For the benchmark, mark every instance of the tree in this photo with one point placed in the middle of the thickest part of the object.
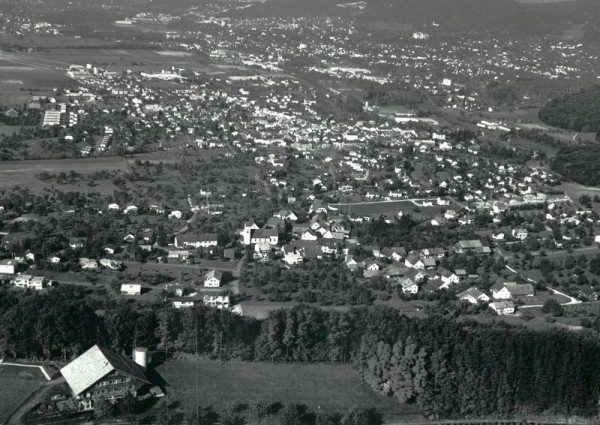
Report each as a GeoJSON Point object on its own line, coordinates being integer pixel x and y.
{"type": "Point", "coordinates": [103, 408]}
{"type": "Point", "coordinates": [552, 306]}
{"type": "Point", "coordinates": [357, 416]}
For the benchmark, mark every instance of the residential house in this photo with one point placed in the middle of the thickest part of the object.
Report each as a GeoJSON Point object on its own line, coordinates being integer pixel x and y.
{"type": "Point", "coordinates": [475, 245]}
{"type": "Point", "coordinates": [408, 286]}
{"type": "Point", "coordinates": [448, 277]}
{"type": "Point", "coordinates": [414, 261]}
{"type": "Point", "coordinates": [308, 236]}
{"type": "Point", "coordinates": [88, 263]}
{"type": "Point", "coordinates": [519, 233]}
{"type": "Point", "coordinates": [286, 215]}
{"type": "Point", "coordinates": [8, 266]}
{"type": "Point", "coordinates": [473, 296]}
{"type": "Point", "coordinates": [270, 236]}
{"type": "Point", "coordinates": [213, 279]}
{"type": "Point", "coordinates": [503, 307]}
{"type": "Point", "coordinates": [220, 302]}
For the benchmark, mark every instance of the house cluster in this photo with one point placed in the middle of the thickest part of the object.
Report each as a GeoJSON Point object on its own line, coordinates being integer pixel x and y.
{"type": "Point", "coordinates": [503, 296]}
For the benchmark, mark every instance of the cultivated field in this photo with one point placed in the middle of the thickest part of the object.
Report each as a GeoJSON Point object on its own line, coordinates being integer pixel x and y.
{"type": "Point", "coordinates": [321, 387]}
{"type": "Point", "coordinates": [18, 383]}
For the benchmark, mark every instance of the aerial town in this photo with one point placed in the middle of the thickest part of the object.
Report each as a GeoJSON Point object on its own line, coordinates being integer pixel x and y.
{"type": "Point", "coordinates": [208, 217]}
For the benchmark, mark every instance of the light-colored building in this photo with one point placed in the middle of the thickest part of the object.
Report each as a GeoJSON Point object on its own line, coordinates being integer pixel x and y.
{"type": "Point", "coordinates": [131, 289]}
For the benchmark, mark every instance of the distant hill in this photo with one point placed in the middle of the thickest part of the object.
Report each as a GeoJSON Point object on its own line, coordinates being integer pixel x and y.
{"type": "Point", "coordinates": [459, 15]}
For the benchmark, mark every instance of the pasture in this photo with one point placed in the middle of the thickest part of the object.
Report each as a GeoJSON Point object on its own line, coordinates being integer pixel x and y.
{"type": "Point", "coordinates": [18, 383]}
{"type": "Point", "coordinates": [321, 387]}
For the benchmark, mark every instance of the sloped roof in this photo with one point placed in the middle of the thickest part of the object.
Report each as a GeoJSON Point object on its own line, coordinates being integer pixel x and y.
{"type": "Point", "coordinates": [96, 363]}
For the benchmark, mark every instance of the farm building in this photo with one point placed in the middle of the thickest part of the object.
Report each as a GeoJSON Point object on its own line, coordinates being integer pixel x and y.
{"type": "Point", "coordinates": [101, 373]}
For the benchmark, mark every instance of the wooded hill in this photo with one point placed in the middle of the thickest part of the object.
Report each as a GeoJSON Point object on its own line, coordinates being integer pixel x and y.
{"type": "Point", "coordinates": [579, 163]}
{"type": "Point", "coordinates": [578, 111]}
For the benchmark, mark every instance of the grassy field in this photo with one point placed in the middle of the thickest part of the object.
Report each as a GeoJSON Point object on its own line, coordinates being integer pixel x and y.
{"type": "Point", "coordinates": [391, 208]}
{"type": "Point", "coordinates": [23, 173]}
{"type": "Point", "coordinates": [321, 387]}
{"type": "Point", "coordinates": [17, 384]}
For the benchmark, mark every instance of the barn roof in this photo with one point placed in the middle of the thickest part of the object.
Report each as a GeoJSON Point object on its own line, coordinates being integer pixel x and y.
{"type": "Point", "coordinates": [96, 363]}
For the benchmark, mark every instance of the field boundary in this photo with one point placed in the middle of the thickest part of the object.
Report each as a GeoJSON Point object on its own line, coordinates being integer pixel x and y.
{"type": "Point", "coordinates": [41, 368]}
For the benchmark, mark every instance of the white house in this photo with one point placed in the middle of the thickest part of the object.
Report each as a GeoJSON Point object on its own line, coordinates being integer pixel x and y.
{"type": "Point", "coordinates": [220, 302]}
{"type": "Point", "coordinates": [213, 279]}
{"type": "Point", "coordinates": [308, 236]}
{"type": "Point", "coordinates": [503, 307]}
{"type": "Point", "coordinates": [88, 263]}
{"type": "Point", "coordinates": [131, 289]}
{"type": "Point", "coordinates": [449, 278]}
{"type": "Point", "coordinates": [130, 209]}
{"type": "Point", "coordinates": [8, 266]}
{"type": "Point", "coordinates": [520, 233]}
{"type": "Point", "coordinates": [270, 236]}
{"type": "Point", "coordinates": [473, 296]}
{"type": "Point", "coordinates": [293, 258]}
{"type": "Point", "coordinates": [414, 262]}
{"type": "Point", "coordinates": [409, 287]}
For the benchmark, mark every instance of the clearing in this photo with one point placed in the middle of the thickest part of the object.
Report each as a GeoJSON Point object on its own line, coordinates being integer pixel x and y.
{"type": "Point", "coordinates": [321, 387]}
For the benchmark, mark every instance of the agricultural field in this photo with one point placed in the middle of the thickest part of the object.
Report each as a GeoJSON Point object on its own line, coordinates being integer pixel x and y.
{"type": "Point", "coordinates": [321, 387]}
{"type": "Point", "coordinates": [18, 383]}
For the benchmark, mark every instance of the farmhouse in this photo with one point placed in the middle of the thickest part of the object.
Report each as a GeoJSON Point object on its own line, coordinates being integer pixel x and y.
{"type": "Point", "coordinates": [507, 290]}
{"type": "Point", "coordinates": [102, 374]}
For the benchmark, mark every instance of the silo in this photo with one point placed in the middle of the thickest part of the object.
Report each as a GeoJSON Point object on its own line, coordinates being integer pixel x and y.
{"type": "Point", "coordinates": [140, 356]}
